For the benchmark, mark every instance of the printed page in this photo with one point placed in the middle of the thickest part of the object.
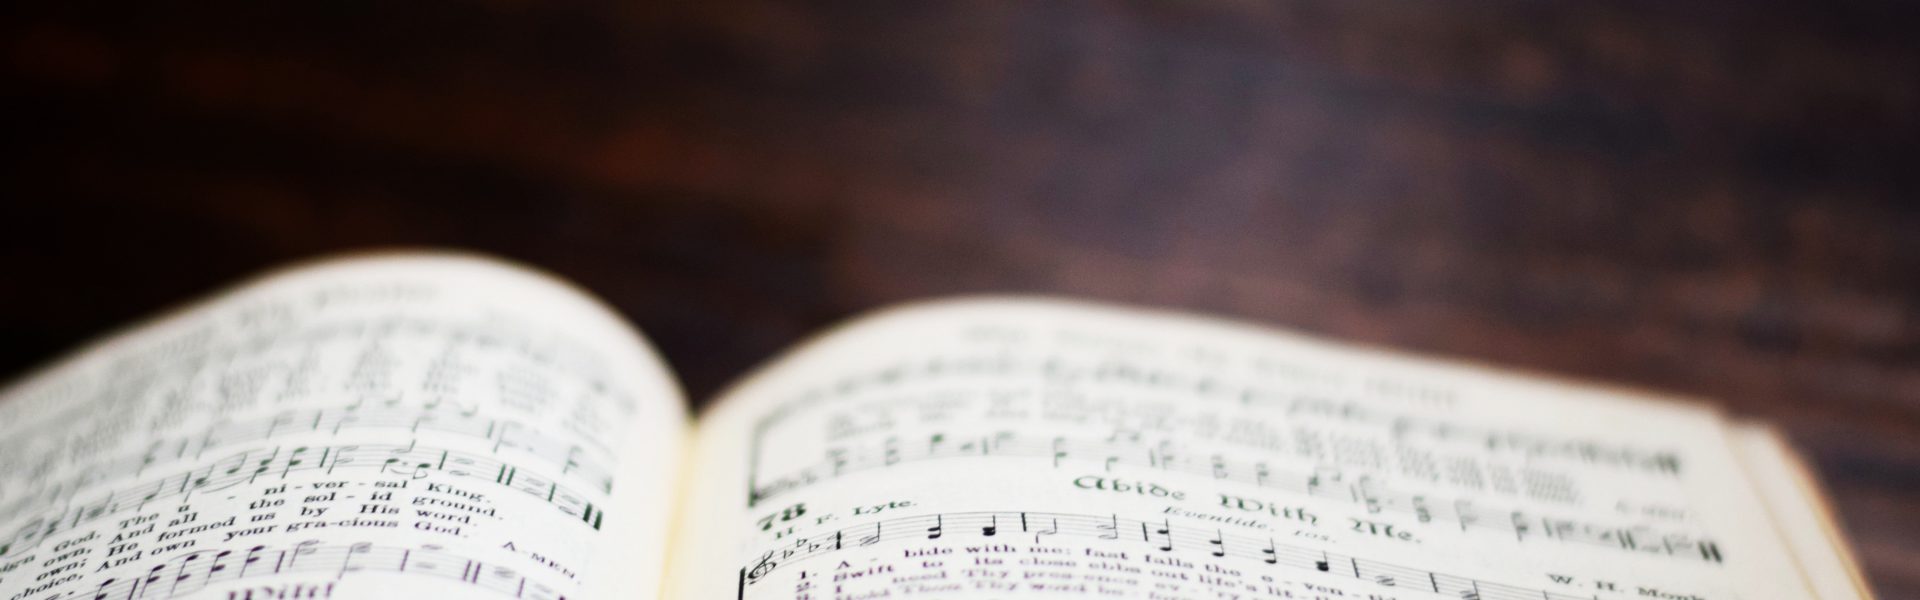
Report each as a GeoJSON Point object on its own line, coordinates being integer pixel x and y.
{"type": "Point", "coordinates": [1027, 448]}
{"type": "Point", "coordinates": [395, 426]}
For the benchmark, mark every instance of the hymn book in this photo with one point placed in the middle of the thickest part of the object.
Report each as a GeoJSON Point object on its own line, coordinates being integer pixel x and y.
{"type": "Point", "coordinates": [425, 425]}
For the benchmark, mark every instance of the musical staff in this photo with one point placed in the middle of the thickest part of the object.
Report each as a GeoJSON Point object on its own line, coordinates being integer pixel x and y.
{"type": "Point", "coordinates": [364, 415]}
{"type": "Point", "coordinates": [411, 461]}
{"type": "Point", "coordinates": [198, 570]}
{"type": "Point", "coordinates": [1154, 536]}
{"type": "Point", "coordinates": [1332, 485]}
{"type": "Point", "coordinates": [455, 376]}
{"type": "Point", "coordinates": [566, 454]}
{"type": "Point", "coordinates": [1061, 370]}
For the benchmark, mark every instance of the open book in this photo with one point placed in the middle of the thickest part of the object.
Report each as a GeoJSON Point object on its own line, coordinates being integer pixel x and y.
{"type": "Point", "coordinates": [444, 426]}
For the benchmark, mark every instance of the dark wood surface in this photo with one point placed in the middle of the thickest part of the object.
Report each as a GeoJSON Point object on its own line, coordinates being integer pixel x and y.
{"type": "Point", "coordinates": [1711, 197]}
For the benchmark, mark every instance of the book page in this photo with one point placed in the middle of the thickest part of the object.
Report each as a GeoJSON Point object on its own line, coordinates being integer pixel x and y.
{"type": "Point", "coordinates": [394, 426]}
{"type": "Point", "coordinates": [1028, 448]}
{"type": "Point", "coordinates": [1801, 512]}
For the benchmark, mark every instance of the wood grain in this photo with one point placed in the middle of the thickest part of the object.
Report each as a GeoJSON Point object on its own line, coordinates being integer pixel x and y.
{"type": "Point", "coordinates": [1709, 197]}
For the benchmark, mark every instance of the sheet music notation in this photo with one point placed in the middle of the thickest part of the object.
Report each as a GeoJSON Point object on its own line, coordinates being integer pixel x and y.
{"type": "Point", "coordinates": [411, 461]}
{"type": "Point", "coordinates": [201, 569]}
{"type": "Point", "coordinates": [1158, 536]}
{"type": "Point", "coordinates": [1058, 369]}
{"type": "Point", "coordinates": [1326, 484]}
{"type": "Point", "coordinates": [565, 454]}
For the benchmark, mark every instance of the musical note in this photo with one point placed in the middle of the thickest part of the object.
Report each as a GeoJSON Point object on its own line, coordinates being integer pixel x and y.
{"type": "Point", "coordinates": [293, 461]}
{"type": "Point", "coordinates": [253, 556]}
{"type": "Point", "coordinates": [218, 560]}
{"type": "Point", "coordinates": [892, 452]}
{"type": "Point", "coordinates": [1363, 489]}
{"type": "Point", "coordinates": [839, 459]}
{"type": "Point", "coordinates": [305, 548]}
{"type": "Point", "coordinates": [346, 562]}
{"type": "Point", "coordinates": [100, 591]}
{"type": "Point", "coordinates": [1113, 529]}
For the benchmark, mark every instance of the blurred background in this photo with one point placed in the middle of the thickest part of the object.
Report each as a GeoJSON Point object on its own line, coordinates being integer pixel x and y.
{"type": "Point", "coordinates": [1712, 197]}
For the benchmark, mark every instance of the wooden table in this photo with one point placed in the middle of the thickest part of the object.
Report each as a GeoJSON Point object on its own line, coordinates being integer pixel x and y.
{"type": "Point", "coordinates": [1705, 196]}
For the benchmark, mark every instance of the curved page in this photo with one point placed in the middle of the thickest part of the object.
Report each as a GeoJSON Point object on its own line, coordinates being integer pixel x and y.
{"type": "Point", "coordinates": [1030, 448]}
{"type": "Point", "coordinates": [407, 426]}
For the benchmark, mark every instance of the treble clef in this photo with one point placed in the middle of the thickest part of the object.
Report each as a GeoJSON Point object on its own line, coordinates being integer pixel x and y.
{"type": "Point", "coordinates": [762, 568]}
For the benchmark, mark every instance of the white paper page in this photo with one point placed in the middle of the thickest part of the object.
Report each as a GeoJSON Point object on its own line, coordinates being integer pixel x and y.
{"type": "Point", "coordinates": [1025, 448]}
{"type": "Point", "coordinates": [1801, 516]}
{"type": "Point", "coordinates": [394, 426]}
